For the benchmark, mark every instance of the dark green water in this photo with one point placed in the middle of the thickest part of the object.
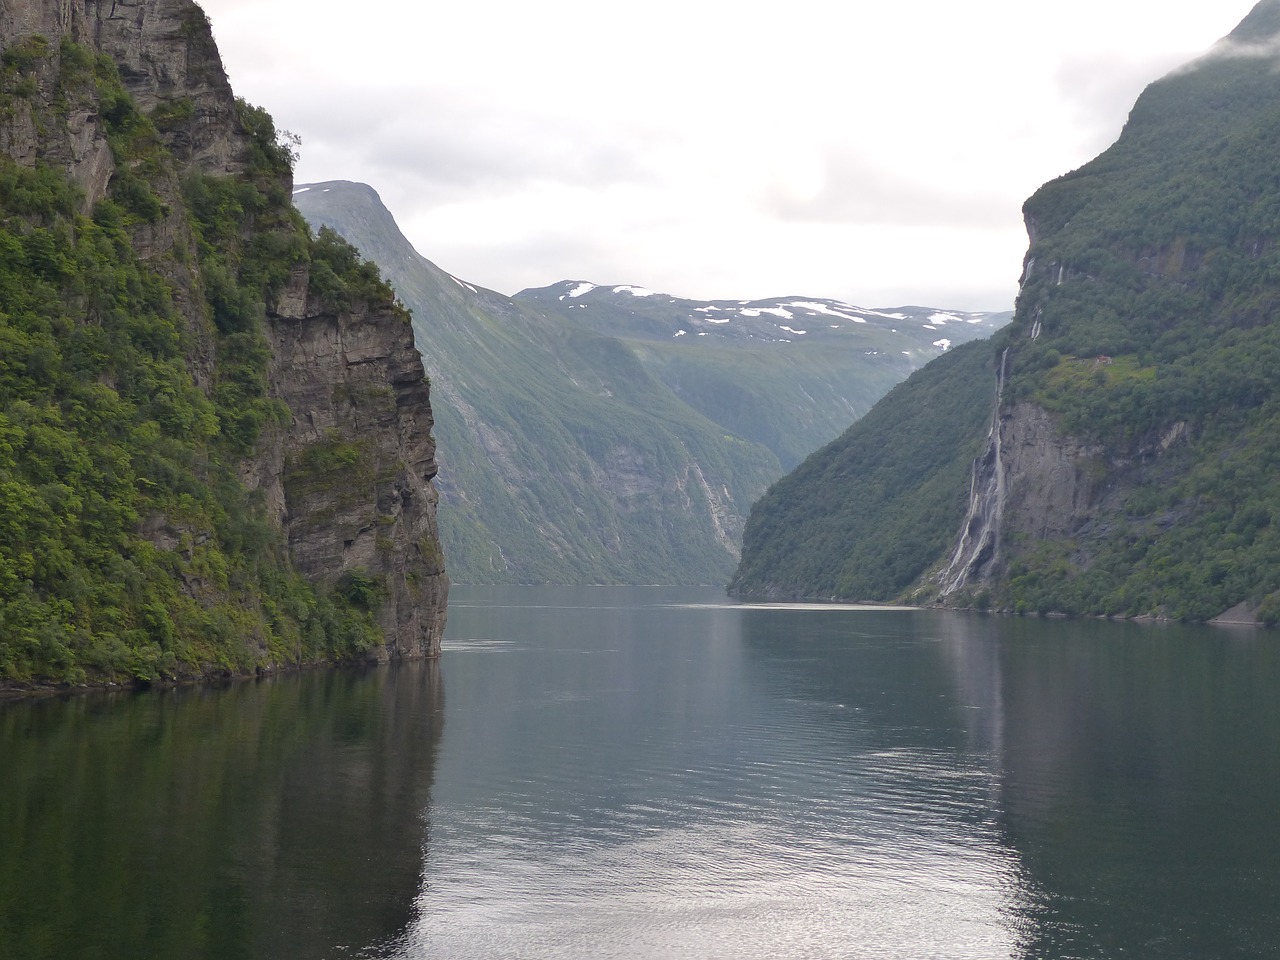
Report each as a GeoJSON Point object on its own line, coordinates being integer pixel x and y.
{"type": "Point", "coordinates": [654, 773]}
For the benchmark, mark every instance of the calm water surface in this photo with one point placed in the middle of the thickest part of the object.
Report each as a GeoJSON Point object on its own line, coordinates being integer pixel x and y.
{"type": "Point", "coordinates": [653, 773]}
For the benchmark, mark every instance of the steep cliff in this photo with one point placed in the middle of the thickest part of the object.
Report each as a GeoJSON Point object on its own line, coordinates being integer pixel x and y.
{"type": "Point", "coordinates": [351, 477]}
{"type": "Point", "coordinates": [565, 460]}
{"type": "Point", "coordinates": [1127, 465]}
{"type": "Point", "coordinates": [216, 429]}
{"type": "Point", "coordinates": [1141, 397]}
{"type": "Point", "coordinates": [614, 434]}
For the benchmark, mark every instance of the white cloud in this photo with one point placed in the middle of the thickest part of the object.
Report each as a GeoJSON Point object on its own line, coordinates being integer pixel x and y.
{"type": "Point", "coordinates": [871, 153]}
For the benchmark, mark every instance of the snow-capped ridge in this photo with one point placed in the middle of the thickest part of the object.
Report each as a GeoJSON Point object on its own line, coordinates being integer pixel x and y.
{"type": "Point", "coordinates": [635, 311]}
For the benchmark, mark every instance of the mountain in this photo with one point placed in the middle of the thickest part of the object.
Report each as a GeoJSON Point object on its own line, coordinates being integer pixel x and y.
{"type": "Point", "coordinates": [215, 447]}
{"type": "Point", "coordinates": [1129, 466]}
{"type": "Point", "coordinates": [584, 439]}
{"type": "Point", "coordinates": [561, 458]}
{"type": "Point", "coordinates": [867, 514]}
{"type": "Point", "coordinates": [787, 372]}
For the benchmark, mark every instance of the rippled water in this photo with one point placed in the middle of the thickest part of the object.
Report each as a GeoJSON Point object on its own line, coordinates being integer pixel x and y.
{"type": "Point", "coordinates": [637, 783]}
{"type": "Point", "coordinates": [658, 774]}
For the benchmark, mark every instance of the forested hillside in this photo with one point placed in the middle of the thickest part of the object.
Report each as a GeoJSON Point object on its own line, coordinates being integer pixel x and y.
{"type": "Point", "coordinates": [1132, 468]}
{"type": "Point", "coordinates": [867, 514]}
{"type": "Point", "coordinates": [615, 435]}
{"type": "Point", "coordinates": [146, 241]}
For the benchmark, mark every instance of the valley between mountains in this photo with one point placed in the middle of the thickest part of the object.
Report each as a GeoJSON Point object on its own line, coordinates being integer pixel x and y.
{"type": "Point", "coordinates": [594, 433]}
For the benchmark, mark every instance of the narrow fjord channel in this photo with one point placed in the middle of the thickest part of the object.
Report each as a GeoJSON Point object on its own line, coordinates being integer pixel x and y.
{"type": "Point", "coordinates": [647, 772]}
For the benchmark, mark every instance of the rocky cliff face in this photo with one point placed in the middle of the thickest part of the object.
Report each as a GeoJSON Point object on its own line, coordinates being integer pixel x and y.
{"type": "Point", "coordinates": [1032, 483]}
{"type": "Point", "coordinates": [344, 464]}
{"type": "Point", "coordinates": [164, 52]}
{"type": "Point", "coordinates": [350, 479]}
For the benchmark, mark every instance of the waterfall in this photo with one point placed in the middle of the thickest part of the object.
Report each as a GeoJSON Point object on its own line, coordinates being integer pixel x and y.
{"type": "Point", "coordinates": [978, 547]}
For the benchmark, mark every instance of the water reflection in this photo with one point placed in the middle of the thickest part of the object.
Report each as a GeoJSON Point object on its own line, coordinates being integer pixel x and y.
{"type": "Point", "coordinates": [282, 818]}
{"type": "Point", "coordinates": [1127, 771]}
{"type": "Point", "coordinates": [631, 774]}
{"type": "Point", "coordinates": [924, 823]}
{"type": "Point", "coordinates": [642, 779]}
{"type": "Point", "coordinates": [1141, 765]}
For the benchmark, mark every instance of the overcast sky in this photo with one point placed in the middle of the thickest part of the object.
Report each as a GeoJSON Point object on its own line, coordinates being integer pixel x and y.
{"type": "Point", "coordinates": [877, 153]}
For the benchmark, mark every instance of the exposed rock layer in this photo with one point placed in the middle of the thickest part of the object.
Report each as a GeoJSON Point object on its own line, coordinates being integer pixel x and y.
{"type": "Point", "coordinates": [349, 375]}
{"type": "Point", "coordinates": [355, 378]}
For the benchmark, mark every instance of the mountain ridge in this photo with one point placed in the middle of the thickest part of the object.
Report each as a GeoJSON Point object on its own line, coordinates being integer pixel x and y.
{"type": "Point", "coordinates": [1123, 471]}
{"type": "Point", "coordinates": [703, 424]}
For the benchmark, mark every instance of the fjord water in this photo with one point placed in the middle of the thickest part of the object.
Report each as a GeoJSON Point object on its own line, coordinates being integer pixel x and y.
{"type": "Point", "coordinates": [646, 773]}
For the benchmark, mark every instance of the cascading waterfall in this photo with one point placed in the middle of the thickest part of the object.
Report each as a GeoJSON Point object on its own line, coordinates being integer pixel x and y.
{"type": "Point", "coordinates": [978, 548]}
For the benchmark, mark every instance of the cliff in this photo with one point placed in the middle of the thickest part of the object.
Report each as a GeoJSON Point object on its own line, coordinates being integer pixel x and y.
{"type": "Point", "coordinates": [618, 435]}
{"type": "Point", "coordinates": [565, 460]}
{"type": "Point", "coordinates": [1138, 404]}
{"type": "Point", "coordinates": [218, 453]}
{"type": "Point", "coordinates": [1124, 464]}
{"type": "Point", "coordinates": [350, 480]}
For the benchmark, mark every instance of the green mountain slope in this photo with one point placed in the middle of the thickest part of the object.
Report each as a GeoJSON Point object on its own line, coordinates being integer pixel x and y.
{"type": "Point", "coordinates": [867, 514]}
{"type": "Point", "coordinates": [789, 372]}
{"type": "Point", "coordinates": [1131, 469]}
{"type": "Point", "coordinates": [584, 439]}
{"type": "Point", "coordinates": [149, 451]}
{"type": "Point", "coordinates": [562, 459]}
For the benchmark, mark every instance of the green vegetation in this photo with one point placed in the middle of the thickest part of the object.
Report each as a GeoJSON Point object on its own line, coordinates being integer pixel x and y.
{"type": "Point", "coordinates": [1172, 271]}
{"type": "Point", "coordinates": [128, 547]}
{"type": "Point", "coordinates": [1147, 328]}
{"type": "Point", "coordinates": [866, 515]}
{"type": "Point", "coordinates": [563, 459]}
{"type": "Point", "coordinates": [585, 445]}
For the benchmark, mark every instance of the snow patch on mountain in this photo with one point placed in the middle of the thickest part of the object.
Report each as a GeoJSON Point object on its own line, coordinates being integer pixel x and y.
{"type": "Point", "coordinates": [844, 311]}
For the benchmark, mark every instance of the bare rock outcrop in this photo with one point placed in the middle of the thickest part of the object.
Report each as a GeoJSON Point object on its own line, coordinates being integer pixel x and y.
{"type": "Point", "coordinates": [350, 479]}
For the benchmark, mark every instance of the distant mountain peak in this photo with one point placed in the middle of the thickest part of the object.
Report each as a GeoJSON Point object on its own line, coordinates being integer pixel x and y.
{"type": "Point", "coordinates": [630, 310]}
